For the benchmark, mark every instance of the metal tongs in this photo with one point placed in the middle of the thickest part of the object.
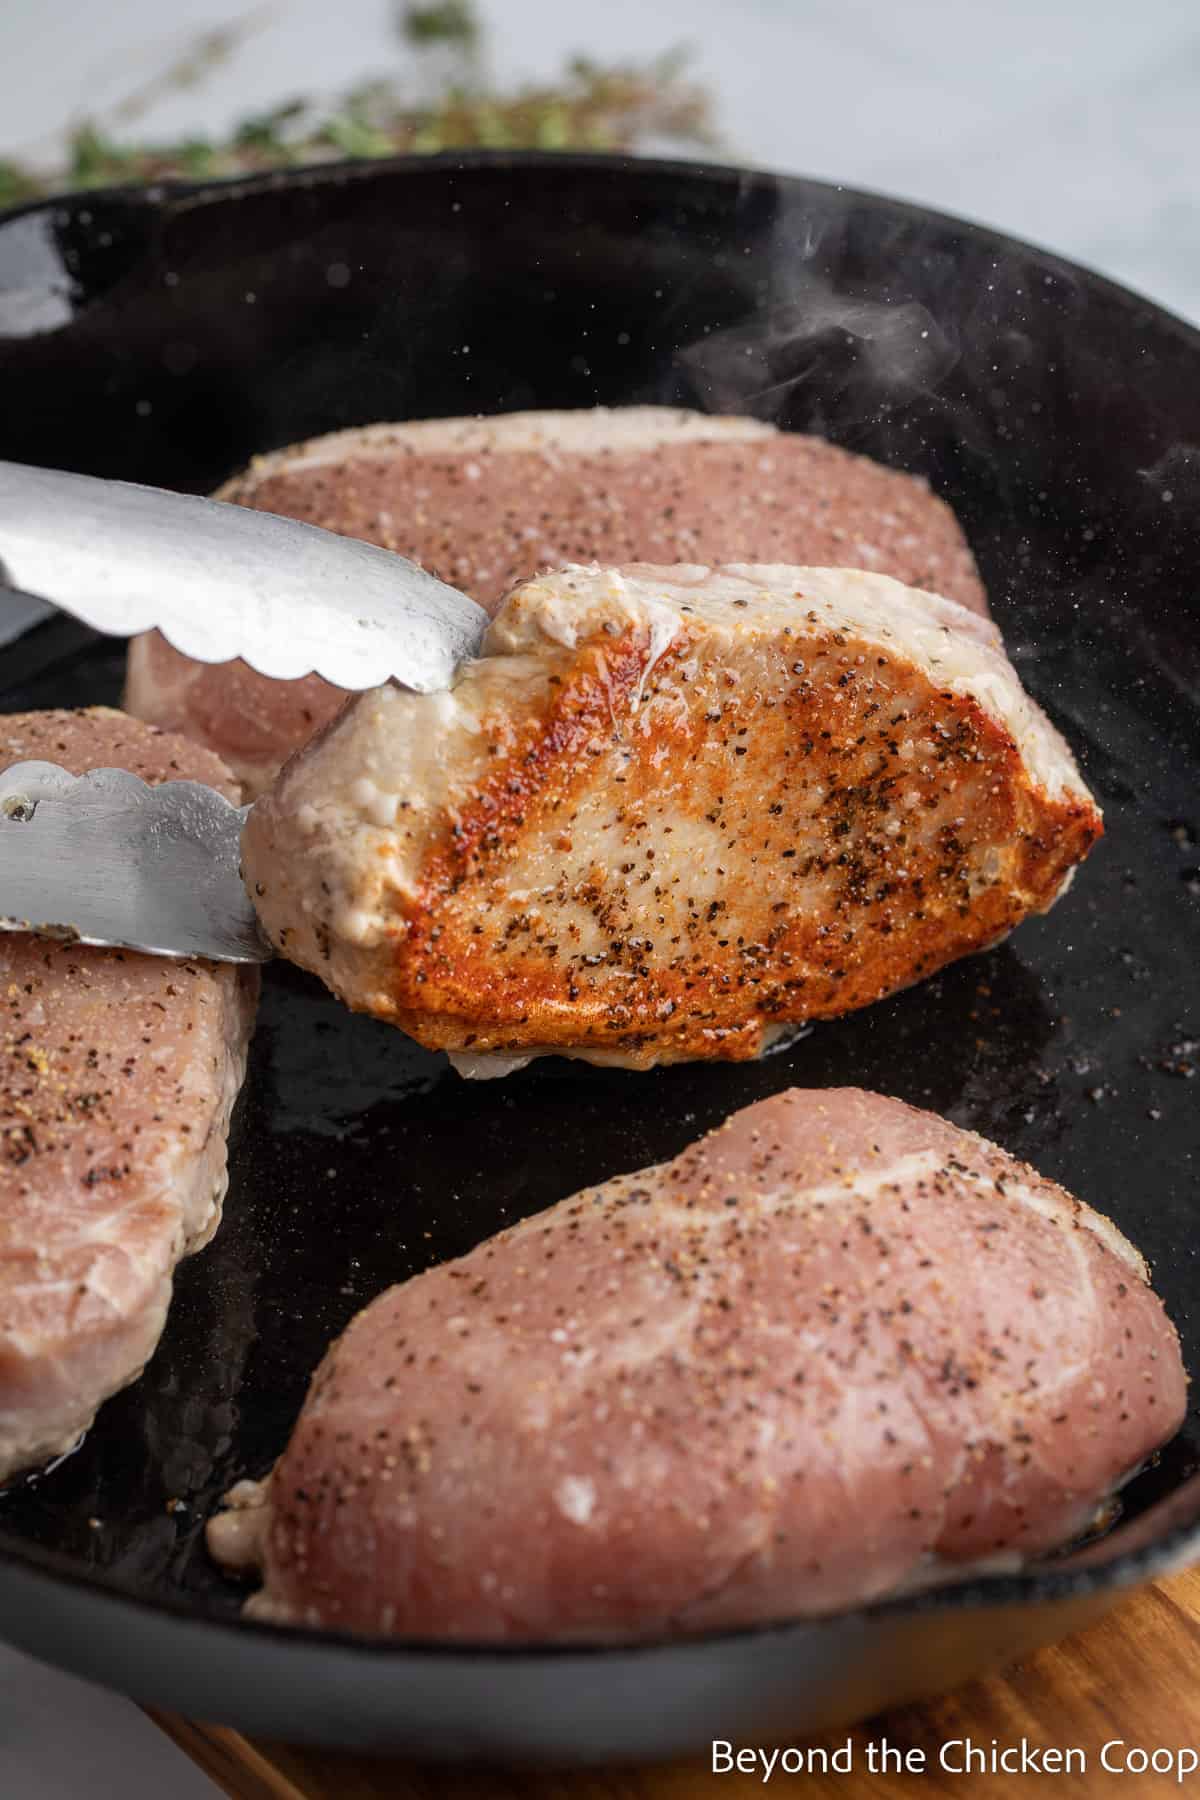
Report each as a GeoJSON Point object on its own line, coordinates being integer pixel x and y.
{"type": "Point", "coordinates": [105, 859]}
{"type": "Point", "coordinates": [223, 581]}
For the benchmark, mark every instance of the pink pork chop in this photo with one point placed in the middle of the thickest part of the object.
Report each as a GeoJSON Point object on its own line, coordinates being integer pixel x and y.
{"type": "Point", "coordinates": [836, 1347]}
{"type": "Point", "coordinates": [119, 1073]}
{"type": "Point", "coordinates": [486, 503]}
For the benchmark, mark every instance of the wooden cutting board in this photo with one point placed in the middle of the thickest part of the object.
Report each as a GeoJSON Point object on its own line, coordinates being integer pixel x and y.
{"type": "Point", "coordinates": [1134, 1676]}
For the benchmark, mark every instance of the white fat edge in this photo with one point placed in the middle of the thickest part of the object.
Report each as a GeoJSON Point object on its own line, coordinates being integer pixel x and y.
{"type": "Point", "coordinates": [384, 811]}
{"type": "Point", "coordinates": [957, 651]}
{"type": "Point", "coordinates": [1090, 1513]}
{"type": "Point", "coordinates": [579, 432]}
{"type": "Point", "coordinates": [855, 1186]}
{"type": "Point", "coordinates": [1060, 890]}
{"type": "Point", "coordinates": [1062, 1212]}
{"type": "Point", "coordinates": [265, 1609]}
{"type": "Point", "coordinates": [236, 1537]}
{"type": "Point", "coordinates": [665, 625]}
{"type": "Point", "coordinates": [933, 1571]}
{"type": "Point", "coordinates": [491, 1065]}
{"type": "Point", "coordinates": [910, 1168]}
{"type": "Point", "coordinates": [777, 1038]}
{"type": "Point", "coordinates": [559, 616]}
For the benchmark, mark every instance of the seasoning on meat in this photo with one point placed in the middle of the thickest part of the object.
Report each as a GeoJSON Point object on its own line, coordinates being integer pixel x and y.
{"type": "Point", "coordinates": [836, 1348]}
{"type": "Point", "coordinates": [485, 503]}
{"type": "Point", "coordinates": [118, 1074]}
{"type": "Point", "coordinates": [669, 813]}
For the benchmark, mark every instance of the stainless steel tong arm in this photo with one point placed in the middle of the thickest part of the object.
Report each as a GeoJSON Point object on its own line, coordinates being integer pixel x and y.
{"type": "Point", "coordinates": [223, 581]}
{"type": "Point", "coordinates": [103, 858]}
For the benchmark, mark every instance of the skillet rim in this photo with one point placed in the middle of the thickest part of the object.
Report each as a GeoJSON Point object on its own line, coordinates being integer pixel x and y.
{"type": "Point", "coordinates": [1043, 1584]}
{"type": "Point", "coordinates": [172, 195]}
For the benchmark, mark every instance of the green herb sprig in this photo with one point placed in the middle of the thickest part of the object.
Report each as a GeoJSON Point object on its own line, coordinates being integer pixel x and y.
{"type": "Point", "coordinates": [593, 106]}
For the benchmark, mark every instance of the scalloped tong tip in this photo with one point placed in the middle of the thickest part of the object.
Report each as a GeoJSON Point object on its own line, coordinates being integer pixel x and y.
{"type": "Point", "coordinates": [105, 859]}
{"type": "Point", "coordinates": [222, 581]}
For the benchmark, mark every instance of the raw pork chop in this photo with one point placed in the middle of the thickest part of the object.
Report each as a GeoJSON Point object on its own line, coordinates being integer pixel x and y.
{"type": "Point", "coordinates": [487, 502]}
{"type": "Point", "coordinates": [669, 812]}
{"type": "Point", "coordinates": [119, 1074]}
{"type": "Point", "coordinates": [834, 1348]}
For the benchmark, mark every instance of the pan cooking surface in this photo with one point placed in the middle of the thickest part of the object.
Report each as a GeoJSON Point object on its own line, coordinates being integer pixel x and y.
{"type": "Point", "coordinates": [1060, 416]}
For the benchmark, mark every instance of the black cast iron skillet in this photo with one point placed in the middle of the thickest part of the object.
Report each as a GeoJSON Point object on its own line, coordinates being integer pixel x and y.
{"type": "Point", "coordinates": [168, 336]}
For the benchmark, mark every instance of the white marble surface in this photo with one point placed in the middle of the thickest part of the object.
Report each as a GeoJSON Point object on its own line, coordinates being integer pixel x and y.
{"type": "Point", "coordinates": [1072, 122]}
{"type": "Point", "coordinates": [61, 1739]}
{"type": "Point", "coordinates": [1075, 123]}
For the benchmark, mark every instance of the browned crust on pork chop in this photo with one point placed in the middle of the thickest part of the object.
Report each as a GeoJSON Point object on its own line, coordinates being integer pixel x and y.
{"type": "Point", "coordinates": [671, 853]}
{"type": "Point", "coordinates": [878, 934]}
{"type": "Point", "coordinates": [486, 503]}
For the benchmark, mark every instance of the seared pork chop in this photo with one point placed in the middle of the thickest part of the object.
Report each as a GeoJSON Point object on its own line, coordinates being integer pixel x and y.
{"type": "Point", "coordinates": [119, 1075]}
{"type": "Point", "coordinates": [836, 1347]}
{"type": "Point", "coordinates": [669, 813]}
{"type": "Point", "coordinates": [485, 503]}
